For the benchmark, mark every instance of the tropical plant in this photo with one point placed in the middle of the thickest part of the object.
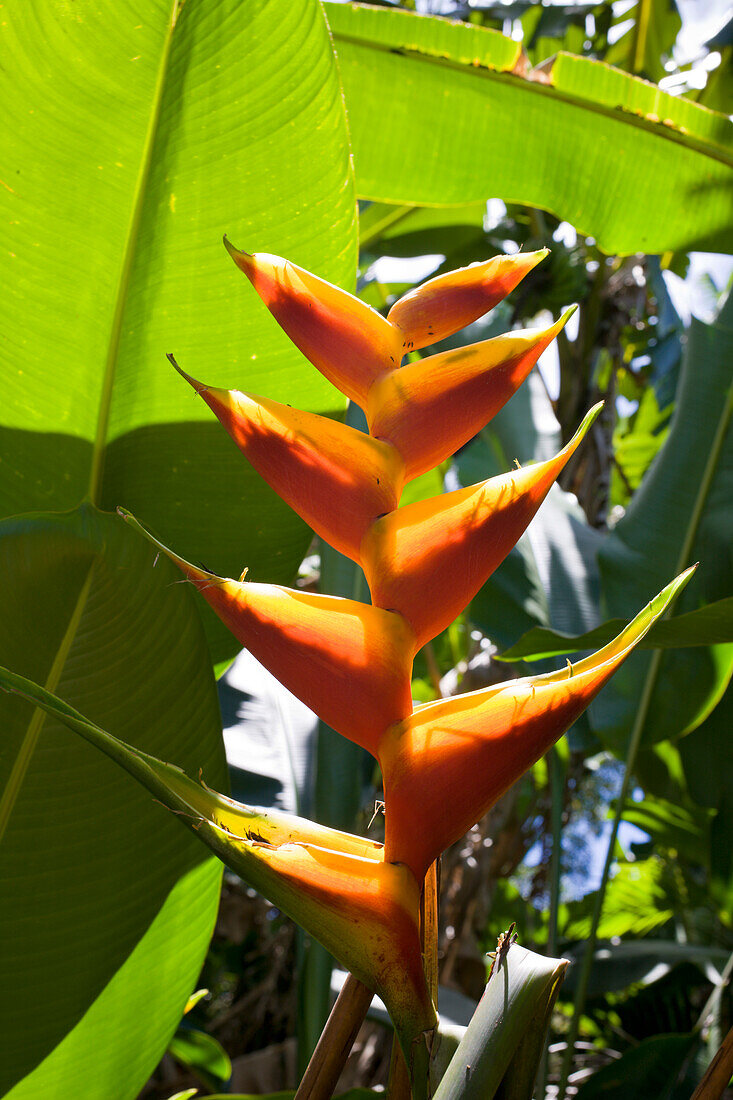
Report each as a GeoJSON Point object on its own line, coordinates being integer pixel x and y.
{"type": "Point", "coordinates": [444, 764]}
{"type": "Point", "coordinates": [134, 141]}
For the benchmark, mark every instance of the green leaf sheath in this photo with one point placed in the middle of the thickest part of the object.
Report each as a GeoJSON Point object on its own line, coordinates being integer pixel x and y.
{"type": "Point", "coordinates": [509, 1023]}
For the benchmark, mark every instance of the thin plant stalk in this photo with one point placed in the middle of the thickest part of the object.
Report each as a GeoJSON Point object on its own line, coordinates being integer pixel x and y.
{"type": "Point", "coordinates": [557, 783]}
{"type": "Point", "coordinates": [718, 1073]}
{"type": "Point", "coordinates": [590, 944]}
{"type": "Point", "coordinates": [429, 929]}
{"type": "Point", "coordinates": [712, 1004]}
{"type": "Point", "coordinates": [557, 792]}
{"type": "Point", "coordinates": [398, 1084]}
{"type": "Point", "coordinates": [336, 1041]}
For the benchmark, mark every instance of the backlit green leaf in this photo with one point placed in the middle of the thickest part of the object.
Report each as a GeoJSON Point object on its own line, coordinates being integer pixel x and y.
{"type": "Point", "coordinates": [634, 167]}
{"type": "Point", "coordinates": [136, 135]}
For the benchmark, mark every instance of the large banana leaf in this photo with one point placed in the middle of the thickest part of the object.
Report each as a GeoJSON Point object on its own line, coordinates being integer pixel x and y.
{"type": "Point", "coordinates": [709, 625]}
{"type": "Point", "coordinates": [680, 513]}
{"type": "Point", "coordinates": [107, 904]}
{"type": "Point", "coordinates": [652, 1068]}
{"type": "Point", "coordinates": [713, 787]}
{"type": "Point", "coordinates": [135, 134]}
{"type": "Point", "coordinates": [618, 966]}
{"type": "Point", "coordinates": [632, 166]}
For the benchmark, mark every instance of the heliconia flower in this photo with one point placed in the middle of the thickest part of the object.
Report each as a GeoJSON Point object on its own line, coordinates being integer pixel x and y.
{"type": "Point", "coordinates": [363, 910]}
{"type": "Point", "coordinates": [449, 302]}
{"type": "Point", "coordinates": [428, 559]}
{"type": "Point", "coordinates": [347, 661]}
{"type": "Point", "coordinates": [430, 408]}
{"type": "Point", "coordinates": [447, 764]}
{"type": "Point", "coordinates": [347, 340]}
{"type": "Point", "coordinates": [339, 480]}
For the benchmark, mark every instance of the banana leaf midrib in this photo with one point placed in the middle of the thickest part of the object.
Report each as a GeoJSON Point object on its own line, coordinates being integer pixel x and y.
{"type": "Point", "coordinates": [126, 265]}
{"type": "Point", "coordinates": [20, 766]}
{"type": "Point", "coordinates": [483, 69]}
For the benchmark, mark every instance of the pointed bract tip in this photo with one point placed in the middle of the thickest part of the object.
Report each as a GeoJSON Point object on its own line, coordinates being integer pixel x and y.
{"type": "Point", "coordinates": [241, 259]}
{"type": "Point", "coordinates": [196, 385]}
{"type": "Point", "coordinates": [686, 575]}
{"type": "Point", "coordinates": [569, 313]}
{"type": "Point", "coordinates": [533, 258]}
{"type": "Point", "coordinates": [586, 422]}
{"type": "Point", "coordinates": [527, 261]}
{"type": "Point", "coordinates": [186, 566]}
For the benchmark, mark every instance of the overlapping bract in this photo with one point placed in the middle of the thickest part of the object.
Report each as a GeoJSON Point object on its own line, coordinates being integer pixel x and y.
{"type": "Point", "coordinates": [451, 760]}
{"type": "Point", "coordinates": [445, 764]}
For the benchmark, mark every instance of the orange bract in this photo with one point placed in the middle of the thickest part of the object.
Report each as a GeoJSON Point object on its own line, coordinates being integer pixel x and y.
{"type": "Point", "coordinates": [428, 560]}
{"type": "Point", "coordinates": [337, 479]}
{"type": "Point", "coordinates": [430, 408]}
{"type": "Point", "coordinates": [348, 341]}
{"type": "Point", "coordinates": [348, 662]}
{"type": "Point", "coordinates": [449, 302]}
{"type": "Point", "coordinates": [365, 912]}
{"type": "Point", "coordinates": [448, 763]}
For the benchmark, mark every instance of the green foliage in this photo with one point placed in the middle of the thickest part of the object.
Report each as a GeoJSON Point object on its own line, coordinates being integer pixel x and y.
{"type": "Point", "coordinates": [108, 906]}
{"type": "Point", "coordinates": [157, 136]}
{"type": "Point", "coordinates": [288, 1094]}
{"type": "Point", "coordinates": [707, 760]}
{"type": "Point", "coordinates": [618, 967]}
{"type": "Point", "coordinates": [710, 625]}
{"type": "Point", "coordinates": [681, 513]}
{"type": "Point", "coordinates": [135, 144]}
{"type": "Point", "coordinates": [637, 900]}
{"type": "Point", "coordinates": [201, 1054]}
{"type": "Point", "coordinates": [451, 134]}
{"type": "Point", "coordinates": [650, 1069]}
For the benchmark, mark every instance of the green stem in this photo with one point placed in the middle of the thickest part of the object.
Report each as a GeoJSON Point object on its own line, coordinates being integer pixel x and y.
{"type": "Point", "coordinates": [718, 1074]}
{"type": "Point", "coordinates": [641, 31]}
{"type": "Point", "coordinates": [557, 781]}
{"type": "Point", "coordinates": [398, 1082]}
{"type": "Point", "coordinates": [587, 960]}
{"type": "Point", "coordinates": [391, 217]}
{"type": "Point", "coordinates": [713, 1000]}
